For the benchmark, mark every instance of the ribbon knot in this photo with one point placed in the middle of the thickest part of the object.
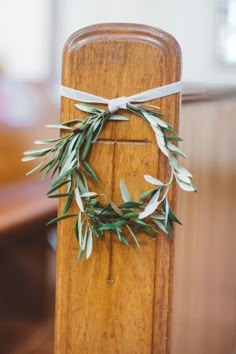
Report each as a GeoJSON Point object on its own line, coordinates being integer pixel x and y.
{"type": "Point", "coordinates": [117, 103]}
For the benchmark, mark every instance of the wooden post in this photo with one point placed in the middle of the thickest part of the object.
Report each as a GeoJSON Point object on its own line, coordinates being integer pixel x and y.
{"type": "Point", "coordinates": [119, 301]}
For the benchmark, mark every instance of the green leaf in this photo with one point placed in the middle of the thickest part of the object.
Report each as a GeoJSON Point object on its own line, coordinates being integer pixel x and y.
{"type": "Point", "coordinates": [85, 238]}
{"type": "Point", "coordinates": [84, 181]}
{"type": "Point", "coordinates": [89, 194]}
{"type": "Point", "coordinates": [130, 205]}
{"type": "Point", "coordinates": [62, 217]}
{"type": "Point", "coordinates": [149, 233]}
{"type": "Point", "coordinates": [87, 145]}
{"type": "Point", "coordinates": [122, 237]}
{"type": "Point", "coordinates": [62, 177]}
{"type": "Point", "coordinates": [147, 194]}
{"type": "Point", "coordinates": [161, 143]}
{"type": "Point", "coordinates": [47, 141]}
{"type": "Point", "coordinates": [124, 192]}
{"type": "Point", "coordinates": [96, 230]}
{"type": "Point", "coordinates": [106, 212]}
{"type": "Point", "coordinates": [98, 132]}
{"type": "Point", "coordinates": [72, 146]}
{"type": "Point", "coordinates": [39, 152]}
{"type": "Point", "coordinates": [69, 165]}
{"type": "Point", "coordinates": [140, 222]}
{"type": "Point", "coordinates": [132, 214]}
{"type": "Point", "coordinates": [77, 229]}
{"type": "Point", "coordinates": [176, 150]}
{"type": "Point", "coordinates": [115, 208]}
{"type": "Point", "coordinates": [174, 138]}
{"type": "Point", "coordinates": [34, 169]}
{"type": "Point", "coordinates": [184, 186]}
{"type": "Point", "coordinates": [161, 123]}
{"type": "Point", "coordinates": [171, 130]}
{"type": "Point", "coordinates": [173, 217]}
{"type": "Point", "coordinates": [29, 158]}
{"type": "Point", "coordinates": [173, 161]}
{"type": "Point", "coordinates": [80, 255]}
{"type": "Point", "coordinates": [91, 201]}
{"type": "Point", "coordinates": [90, 171]}
{"type": "Point", "coordinates": [124, 240]}
{"type": "Point", "coordinates": [184, 171]}
{"type": "Point", "coordinates": [67, 155]}
{"type": "Point", "coordinates": [59, 195]}
{"type": "Point", "coordinates": [96, 124]}
{"type": "Point", "coordinates": [58, 126]}
{"type": "Point", "coordinates": [151, 207]}
{"type": "Point", "coordinates": [80, 141]}
{"type": "Point", "coordinates": [68, 202]}
{"type": "Point", "coordinates": [89, 244]}
{"type": "Point", "coordinates": [160, 225]}
{"type": "Point", "coordinates": [111, 226]}
{"type": "Point", "coordinates": [153, 120]}
{"type": "Point", "coordinates": [158, 216]}
{"type": "Point", "coordinates": [45, 174]}
{"type": "Point", "coordinates": [133, 235]}
{"type": "Point", "coordinates": [72, 121]}
{"type": "Point", "coordinates": [55, 166]}
{"type": "Point", "coordinates": [78, 182]}
{"type": "Point", "coordinates": [50, 164]}
{"type": "Point", "coordinates": [69, 184]}
{"type": "Point", "coordinates": [54, 188]}
{"type": "Point", "coordinates": [184, 178]}
{"type": "Point", "coordinates": [167, 208]}
{"type": "Point", "coordinates": [87, 108]}
{"type": "Point", "coordinates": [118, 233]}
{"type": "Point", "coordinates": [144, 106]}
{"type": "Point", "coordinates": [159, 133]}
{"type": "Point", "coordinates": [118, 117]}
{"type": "Point", "coordinates": [78, 199]}
{"type": "Point", "coordinates": [80, 229]}
{"type": "Point", "coordinates": [170, 230]}
{"type": "Point", "coordinates": [153, 180]}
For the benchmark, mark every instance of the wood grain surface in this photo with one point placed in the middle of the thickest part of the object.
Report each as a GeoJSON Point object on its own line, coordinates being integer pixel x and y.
{"type": "Point", "coordinates": [119, 301]}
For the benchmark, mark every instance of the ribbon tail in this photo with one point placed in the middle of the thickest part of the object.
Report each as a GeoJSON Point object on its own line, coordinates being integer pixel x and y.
{"type": "Point", "coordinates": [157, 92]}
{"type": "Point", "coordinates": [81, 96]}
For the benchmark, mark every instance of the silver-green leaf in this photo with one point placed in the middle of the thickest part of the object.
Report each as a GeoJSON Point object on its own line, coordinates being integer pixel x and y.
{"type": "Point", "coordinates": [124, 192]}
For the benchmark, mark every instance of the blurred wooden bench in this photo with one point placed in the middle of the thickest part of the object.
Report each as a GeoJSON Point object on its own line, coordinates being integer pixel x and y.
{"type": "Point", "coordinates": [119, 300]}
{"type": "Point", "coordinates": [26, 258]}
{"type": "Point", "coordinates": [24, 205]}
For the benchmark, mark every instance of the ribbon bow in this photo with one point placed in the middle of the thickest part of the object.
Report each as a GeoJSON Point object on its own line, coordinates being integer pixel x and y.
{"type": "Point", "coordinates": [121, 102]}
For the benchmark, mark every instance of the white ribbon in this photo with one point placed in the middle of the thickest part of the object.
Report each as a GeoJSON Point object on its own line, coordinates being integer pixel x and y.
{"type": "Point", "coordinates": [121, 102]}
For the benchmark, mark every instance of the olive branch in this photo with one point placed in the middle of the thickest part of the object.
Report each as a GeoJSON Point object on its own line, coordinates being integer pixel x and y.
{"type": "Point", "coordinates": [66, 159]}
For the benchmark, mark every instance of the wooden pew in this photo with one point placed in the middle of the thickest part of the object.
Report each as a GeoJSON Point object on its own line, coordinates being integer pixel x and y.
{"type": "Point", "coordinates": [96, 317]}
{"type": "Point", "coordinates": [119, 300]}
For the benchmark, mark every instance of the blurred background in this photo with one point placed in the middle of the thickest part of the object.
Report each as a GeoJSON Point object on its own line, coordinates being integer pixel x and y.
{"type": "Point", "coordinates": [32, 35]}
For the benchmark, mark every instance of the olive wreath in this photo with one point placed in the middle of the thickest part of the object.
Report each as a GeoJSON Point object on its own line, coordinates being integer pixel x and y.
{"type": "Point", "coordinates": [66, 158]}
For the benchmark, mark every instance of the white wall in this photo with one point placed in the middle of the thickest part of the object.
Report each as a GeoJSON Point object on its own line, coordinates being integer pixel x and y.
{"type": "Point", "coordinates": [192, 22]}
{"type": "Point", "coordinates": [25, 39]}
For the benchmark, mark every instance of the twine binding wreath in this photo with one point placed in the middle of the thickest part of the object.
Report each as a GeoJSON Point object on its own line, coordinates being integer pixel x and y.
{"type": "Point", "coordinates": [66, 158]}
